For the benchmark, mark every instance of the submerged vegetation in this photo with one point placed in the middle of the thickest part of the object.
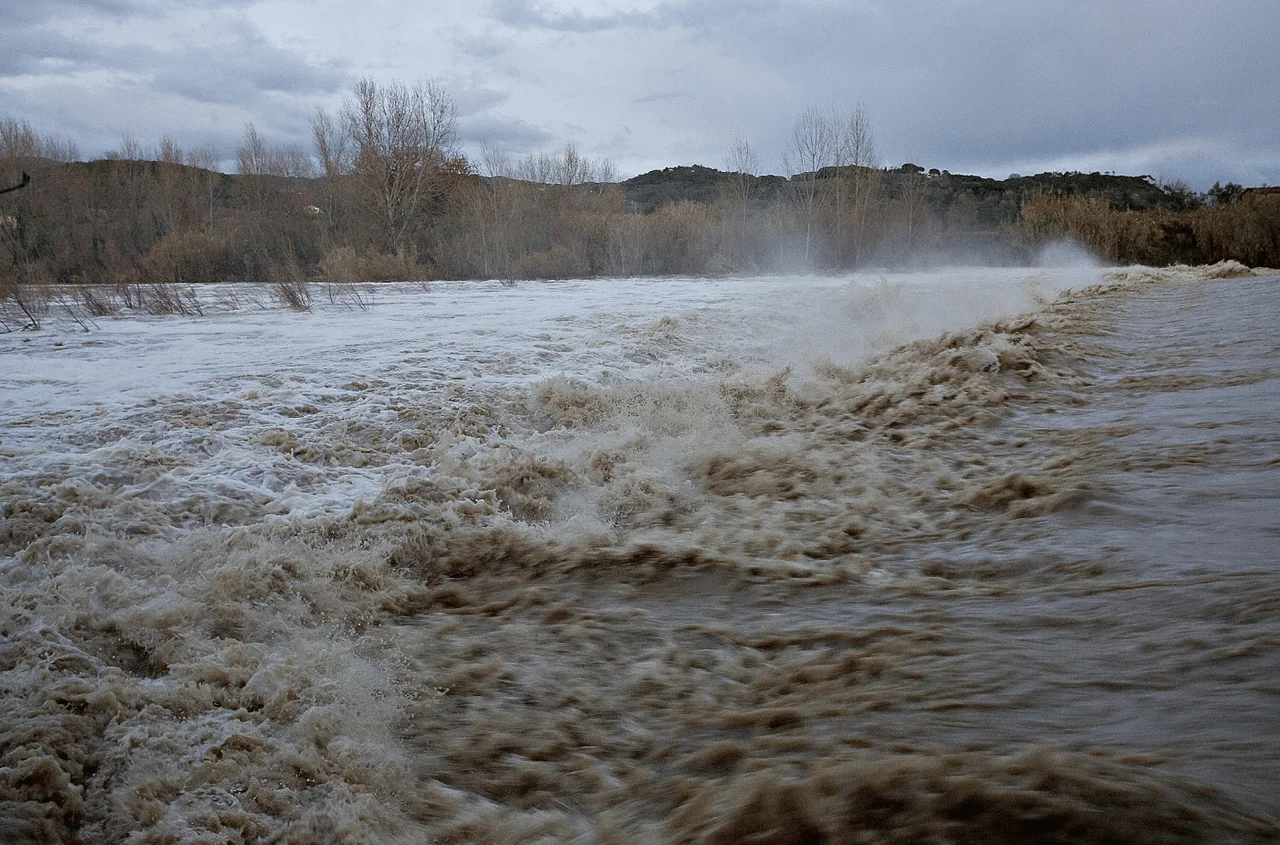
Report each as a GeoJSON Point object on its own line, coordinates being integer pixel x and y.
{"type": "Point", "coordinates": [385, 194]}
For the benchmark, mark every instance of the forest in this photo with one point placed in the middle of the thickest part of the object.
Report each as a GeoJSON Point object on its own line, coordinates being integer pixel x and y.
{"type": "Point", "coordinates": [384, 193]}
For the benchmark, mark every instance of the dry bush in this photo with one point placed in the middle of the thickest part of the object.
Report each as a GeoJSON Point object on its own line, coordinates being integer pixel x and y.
{"type": "Point", "coordinates": [343, 264]}
{"type": "Point", "coordinates": [25, 293]}
{"type": "Point", "coordinates": [292, 294]}
{"type": "Point", "coordinates": [558, 262]}
{"type": "Point", "coordinates": [681, 238]}
{"type": "Point", "coordinates": [98, 301]}
{"type": "Point", "coordinates": [1247, 231]}
{"type": "Point", "coordinates": [289, 286]}
{"type": "Point", "coordinates": [351, 294]}
{"type": "Point", "coordinates": [162, 298]}
{"type": "Point", "coordinates": [1121, 236]}
{"type": "Point", "coordinates": [194, 255]}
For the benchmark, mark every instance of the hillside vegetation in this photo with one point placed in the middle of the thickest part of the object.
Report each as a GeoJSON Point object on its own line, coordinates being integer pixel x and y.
{"type": "Point", "coordinates": [374, 206]}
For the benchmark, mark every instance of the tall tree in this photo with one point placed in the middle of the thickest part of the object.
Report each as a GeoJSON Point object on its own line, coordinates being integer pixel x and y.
{"type": "Point", "coordinates": [856, 180]}
{"type": "Point", "coordinates": [743, 164]}
{"type": "Point", "coordinates": [813, 145]}
{"type": "Point", "coordinates": [403, 139]}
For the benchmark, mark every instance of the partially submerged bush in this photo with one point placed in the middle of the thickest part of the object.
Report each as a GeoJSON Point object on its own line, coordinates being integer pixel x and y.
{"type": "Point", "coordinates": [344, 264]}
{"type": "Point", "coordinates": [194, 255]}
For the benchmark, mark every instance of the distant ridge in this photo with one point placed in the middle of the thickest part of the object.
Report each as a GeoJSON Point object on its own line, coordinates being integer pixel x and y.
{"type": "Point", "coordinates": [1000, 197]}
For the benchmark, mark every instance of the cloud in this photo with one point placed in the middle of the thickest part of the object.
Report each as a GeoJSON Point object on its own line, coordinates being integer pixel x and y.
{"type": "Point", "coordinates": [661, 97]}
{"type": "Point", "coordinates": [990, 87]}
{"type": "Point", "coordinates": [691, 14]}
{"type": "Point", "coordinates": [39, 11]}
{"type": "Point", "coordinates": [235, 75]}
{"type": "Point", "coordinates": [199, 71]}
{"type": "Point", "coordinates": [511, 134]}
{"type": "Point", "coordinates": [33, 52]}
{"type": "Point", "coordinates": [523, 14]}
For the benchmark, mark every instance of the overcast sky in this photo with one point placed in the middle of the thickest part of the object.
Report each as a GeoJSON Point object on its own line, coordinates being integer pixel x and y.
{"type": "Point", "coordinates": [1177, 89]}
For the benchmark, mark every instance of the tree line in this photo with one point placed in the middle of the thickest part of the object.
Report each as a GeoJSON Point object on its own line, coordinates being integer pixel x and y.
{"type": "Point", "coordinates": [384, 193]}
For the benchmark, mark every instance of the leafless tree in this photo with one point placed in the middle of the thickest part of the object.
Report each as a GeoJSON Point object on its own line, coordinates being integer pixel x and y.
{"type": "Point", "coordinates": [18, 140]}
{"type": "Point", "coordinates": [131, 149]}
{"type": "Point", "coordinates": [252, 156]}
{"type": "Point", "coordinates": [813, 145]}
{"type": "Point", "coordinates": [567, 169]}
{"type": "Point", "coordinates": [333, 157]}
{"type": "Point", "coordinates": [856, 178]}
{"type": "Point", "coordinates": [402, 137]}
{"type": "Point", "coordinates": [204, 160]}
{"type": "Point", "coordinates": [743, 164]}
{"type": "Point", "coordinates": [911, 192]}
{"type": "Point", "coordinates": [170, 152]}
{"type": "Point", "coordinates": [332, 145]}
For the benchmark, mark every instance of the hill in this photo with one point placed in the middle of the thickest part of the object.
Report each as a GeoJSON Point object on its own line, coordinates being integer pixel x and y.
{"type": "Point", "coordinates": [992, 201]}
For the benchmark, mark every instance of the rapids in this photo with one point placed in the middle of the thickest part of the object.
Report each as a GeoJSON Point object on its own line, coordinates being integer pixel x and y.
{"type": "Point", "coordinates": [971, 556]}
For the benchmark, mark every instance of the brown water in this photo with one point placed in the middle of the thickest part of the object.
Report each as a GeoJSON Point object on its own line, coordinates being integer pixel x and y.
{"type": "Point", "coordinates": [1013, 583]}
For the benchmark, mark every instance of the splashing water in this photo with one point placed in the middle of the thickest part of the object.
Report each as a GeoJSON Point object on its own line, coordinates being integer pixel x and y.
{"type": "Point", "coordinates": [983, 555]}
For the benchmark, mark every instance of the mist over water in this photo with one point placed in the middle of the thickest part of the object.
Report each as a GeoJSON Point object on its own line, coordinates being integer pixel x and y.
{"type": "Point", "coordinates": [1067, 255]}
{"type": "Point", "coordinates": [968, 555]}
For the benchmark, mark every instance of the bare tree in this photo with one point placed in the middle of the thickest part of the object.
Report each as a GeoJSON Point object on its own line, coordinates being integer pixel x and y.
{"type": "Point", "coordinates": [18, 139]}
{"type": "Point", "coordinates": [913, 202]}
{"type": "Point", "coordinates": [134, 184]}
{"type": "Point", "coordinates": [495, 161]}
{"type": "Point", "coordinates": [743, 164]}
{"type": "Point", "coordinates": [813, 144]}
{"type": "Point", "coordinates": [131, 149]}
{"type": "Point", "coordinates": [204, 160]}
{"type": "Point", "coordinates": [174, 190]}
{"type": "Point", "coordinates": [170, 152]}
{"type": "Point", "coordinates": [252, 156]}
{"type": "Point", "coordinates": [855, 179]}
{"type": "Point", "coordinates": [333, 157]}
{"type": "Point", "coordinates": [567, 169]}
{"type": "Point", "coordinates": [402, 137]}
{"type": "Point", "coordinates": [332, 145]}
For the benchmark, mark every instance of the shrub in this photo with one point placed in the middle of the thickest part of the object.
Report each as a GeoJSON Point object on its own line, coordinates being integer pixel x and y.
{"type": "Point", "coordinates": [289, 285]}
{"type": "Point", "coordinates": [194, 255]}
{"type": "Point", "coordinates": [559, 262]}
{"type": "Point", "coordinates": [341, 264]}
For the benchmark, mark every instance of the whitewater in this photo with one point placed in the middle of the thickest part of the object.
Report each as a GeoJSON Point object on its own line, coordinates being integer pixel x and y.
{"type": "Point", "coordinates": [971, 555]}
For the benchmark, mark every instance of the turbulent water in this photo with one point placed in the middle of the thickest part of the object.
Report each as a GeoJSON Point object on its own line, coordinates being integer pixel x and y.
{"type": "Point", "coordinates": [965, 557]}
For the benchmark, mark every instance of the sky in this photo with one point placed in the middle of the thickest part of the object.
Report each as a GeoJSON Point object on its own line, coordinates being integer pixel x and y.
{"type": "Point", "coordinates": [1174, 89]}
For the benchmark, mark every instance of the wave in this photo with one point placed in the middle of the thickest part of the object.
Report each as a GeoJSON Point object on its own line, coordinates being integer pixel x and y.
{"type": "Point", "coordinates": [680, 573]}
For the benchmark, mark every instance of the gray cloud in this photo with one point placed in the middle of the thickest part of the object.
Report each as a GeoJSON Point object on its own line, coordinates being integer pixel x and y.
{"type": "Point", "coordinates": [523, 14]}
{"type": "Point", "coordinates": [32, 51]}
{"type": "Point", "coordinates": [662, 96]}
{"type": "Point", "coordinates": [981, 85]}
{"type": "Point", "coordinates": [514, 135]}
{"type": "Point", "coordinates": [228, 77]}
{"type": "Point", "coordinates": [690, 14]}
{"type": "Point", "coordinates": [1177, 88]}
{"type": "Point", "coordinates": [29, 12]}
{"type": "Point", "coordinates": [477, 99]}
{"type": "Point", "coordinates": [226, 73]}
{"type": "Point", "coordinates": [96, 69]}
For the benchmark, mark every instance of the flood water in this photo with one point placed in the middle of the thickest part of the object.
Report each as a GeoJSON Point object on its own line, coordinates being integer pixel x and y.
{"type": "Point", "coordinates": [982, 556]}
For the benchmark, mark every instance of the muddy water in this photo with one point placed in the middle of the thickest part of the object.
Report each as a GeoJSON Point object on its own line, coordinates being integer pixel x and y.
{"type": "Point", "coordinates": [660, 570]}
{"type": "Point", "coordinates": [1176, 647]}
